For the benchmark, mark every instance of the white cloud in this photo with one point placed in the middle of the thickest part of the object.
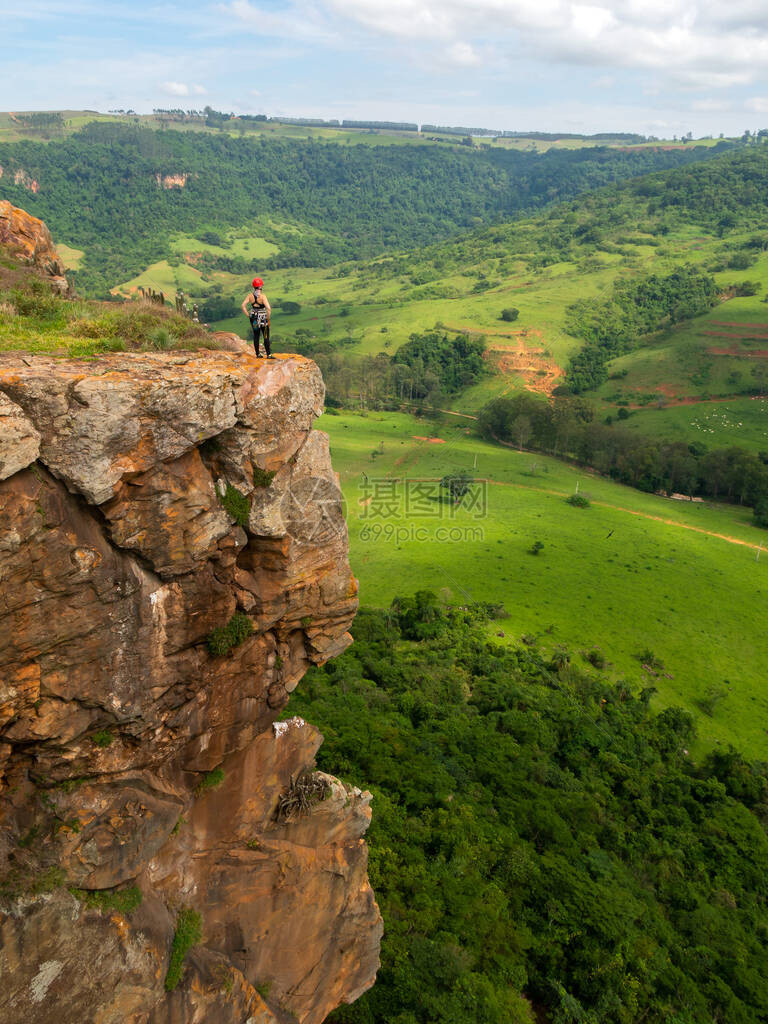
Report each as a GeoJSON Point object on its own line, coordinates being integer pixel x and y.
{"type": "Point", "coordinates": [693, 42]}
{"type": "Point", "coordinates": [464, 55]}
{"type": "Point", "coordinates": [757, 104]}
{"type": "Point", "coordinates": [302, 19]}
{"type": "Point", "coordinates": [711, 106]}
{"type": "Point", "coordinates": [182, 89]}
{"type": "Point", "coordinates": [176, 88]}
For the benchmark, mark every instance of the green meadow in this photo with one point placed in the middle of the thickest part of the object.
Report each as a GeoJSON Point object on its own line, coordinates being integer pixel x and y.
{"type": "Point", "coordinates": [717, 424]}
{"type": "Point", "coordinates": [246, 246]}
{"type": "Point", "coordinates": [634, 575]}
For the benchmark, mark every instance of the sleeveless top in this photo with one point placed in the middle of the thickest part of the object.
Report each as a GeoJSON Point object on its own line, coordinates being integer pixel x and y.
{"type": "Point", "coordinates": [258, 311]}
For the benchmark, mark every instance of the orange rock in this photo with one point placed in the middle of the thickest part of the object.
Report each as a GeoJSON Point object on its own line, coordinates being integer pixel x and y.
{"type": "Point", "coordinates": [118, 560]}
{"type": "Point", "coordinates": [29, 241]}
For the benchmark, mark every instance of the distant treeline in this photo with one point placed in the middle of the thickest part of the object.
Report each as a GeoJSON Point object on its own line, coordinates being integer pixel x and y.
{"type": "Point", "coordinates": [41, 120]}
{"type": "Point", "coordinates": [567, 428]}
{"type": "Point", "coordinates": [216, 116]}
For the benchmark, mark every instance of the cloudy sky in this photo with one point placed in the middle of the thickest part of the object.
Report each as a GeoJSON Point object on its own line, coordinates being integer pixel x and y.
{"type": "Point", "coordinates": [655, 66]}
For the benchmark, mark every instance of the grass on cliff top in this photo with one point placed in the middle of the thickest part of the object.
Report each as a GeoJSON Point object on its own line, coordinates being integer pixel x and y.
{"type": "Point", "coordinates": [644, 579]}
{"type": "Point", "coordinates": [33, 319]}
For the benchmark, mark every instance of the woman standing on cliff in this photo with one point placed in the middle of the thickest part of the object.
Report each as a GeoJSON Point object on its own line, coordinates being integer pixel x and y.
{"type": "Point", "coordinates": [259, 314]}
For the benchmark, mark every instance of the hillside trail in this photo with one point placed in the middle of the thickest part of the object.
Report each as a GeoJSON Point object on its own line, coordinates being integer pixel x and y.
{"type": "Point", "coordinates": [635, 512]}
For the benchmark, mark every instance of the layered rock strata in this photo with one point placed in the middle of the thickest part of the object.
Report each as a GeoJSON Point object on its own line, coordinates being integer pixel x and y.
{"type": "Point", "coordinates": [173, 557]}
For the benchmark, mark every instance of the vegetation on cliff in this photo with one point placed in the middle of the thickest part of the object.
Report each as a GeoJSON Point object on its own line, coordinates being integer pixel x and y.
{"type": "Point", "coordinates": [36, 319]}
{"type": "Point", "coordinates": [540, 830]}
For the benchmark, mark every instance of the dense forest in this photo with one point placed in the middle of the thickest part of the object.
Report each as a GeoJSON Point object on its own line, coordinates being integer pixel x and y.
{"type": "Point", "coordinates": [637, 307]}
{"type": "Point", "coordinates": [99, 191]}
{"type": "Point", "coordinates": [543, 847]}
{"type": "Point", "coordinates": [727, 192]}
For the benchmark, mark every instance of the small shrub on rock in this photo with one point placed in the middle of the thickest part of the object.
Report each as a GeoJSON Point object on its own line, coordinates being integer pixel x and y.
{"type": "Point", "coordinates": [224, 638]}
{"type": "Point", "coordinates": [189, 931]}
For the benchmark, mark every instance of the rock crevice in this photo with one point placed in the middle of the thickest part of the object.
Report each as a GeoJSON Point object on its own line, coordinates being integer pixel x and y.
{"type": "Point", "coordinates": [150, 634]}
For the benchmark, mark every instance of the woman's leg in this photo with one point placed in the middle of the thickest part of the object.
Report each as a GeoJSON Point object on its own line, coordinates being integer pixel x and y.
{"type": "Point", "coordinates": [267, 344]}
{"type": "Point", "coordinates": [256, 330]}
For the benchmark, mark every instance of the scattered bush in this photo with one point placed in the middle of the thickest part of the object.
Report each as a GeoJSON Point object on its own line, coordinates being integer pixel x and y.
{"type": "Point", "coordinates": [536, 548]}
{"type": "Point", "coordinates": [457, 484]}
{"type": "Point", "coordinates": [124, 901]}
{"type": "Point", "coordinates": [595, 657]}
{"type": "Point", "coordinates": [510, 315]}
{"type": "Point", "coordinates": [189, 931]}
{"type": "Point", "coordinates": [648, 658]}
{"type": "Point", "coordinates": [236, 504]}
{"type": "Point", "coordinates": [578, 501]}
{"type": "Point", "coordinates": [224, 638]}
{"type": "Point", "coordinates": [102, 738]}
{"type": "Point", "coordinates": [262, 477]}
{"type": "Point", "coordinates": [211, 780]}
{"type": "Point", "coordinates": [712, 696]}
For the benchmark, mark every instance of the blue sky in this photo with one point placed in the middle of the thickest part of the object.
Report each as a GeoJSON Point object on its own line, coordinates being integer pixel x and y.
{"type": "Point", "coordinates": [655, 66]}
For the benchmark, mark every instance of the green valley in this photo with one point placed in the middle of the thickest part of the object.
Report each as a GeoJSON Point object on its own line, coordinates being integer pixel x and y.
{"type": "Point", "coordinates": [546, 369]}
{"type": "Point", "coordinates": [636, 577]}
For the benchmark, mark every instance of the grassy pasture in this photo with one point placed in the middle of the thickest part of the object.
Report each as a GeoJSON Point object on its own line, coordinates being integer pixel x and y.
{"type": "Point", "coordinates": [166, 278]}
{"type": "Point", "coordinates": [255, 247]}
{"type": "Point", "coordinates": [71, 258]}
{"type": "Point", "coordinates": [739, 421]}
{"type": "Point", "coordinates": [630, 573]}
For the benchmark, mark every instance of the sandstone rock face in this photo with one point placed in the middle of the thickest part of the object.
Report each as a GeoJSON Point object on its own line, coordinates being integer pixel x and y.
{"type": "Point", "coordinates": [29, 241]}
{"type": "Point", "coordinates": [19, 441]}
{"type": "Point", "coordinates": [228, 341]}
{"type": "Point", "coordinates": [148, 644]}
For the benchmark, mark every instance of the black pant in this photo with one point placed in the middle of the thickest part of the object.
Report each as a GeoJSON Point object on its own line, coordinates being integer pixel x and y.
{"type": "Point", "coordinates": [261, 330]}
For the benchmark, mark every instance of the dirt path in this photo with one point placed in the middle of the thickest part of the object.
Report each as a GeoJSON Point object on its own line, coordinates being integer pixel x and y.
{"type": "Point", "coordinates": [615, 508]}
{"type": "Point", "coordinates": [635, 512]}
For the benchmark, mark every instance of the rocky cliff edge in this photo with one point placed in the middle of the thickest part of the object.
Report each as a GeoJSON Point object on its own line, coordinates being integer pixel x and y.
{"type": "Point", "coordinates": [173, 557]}
{"type": "Point", "coordinates": [29, 241]}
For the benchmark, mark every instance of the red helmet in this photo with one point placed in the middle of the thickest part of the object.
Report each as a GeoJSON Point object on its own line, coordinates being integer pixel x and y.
{"type": "Point", "coordinates": [258, 283]}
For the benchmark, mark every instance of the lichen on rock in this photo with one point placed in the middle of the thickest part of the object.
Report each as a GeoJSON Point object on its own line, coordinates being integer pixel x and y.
{"type": "Point", "coordinates": [118, 561]}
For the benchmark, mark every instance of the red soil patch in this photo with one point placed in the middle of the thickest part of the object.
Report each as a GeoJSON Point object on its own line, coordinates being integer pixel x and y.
{"type": "Point", "coordinates": [517, 359]}
{"type": "Point", "coordinates": [736, 335]}
{"type": "Point", "coordinates": [429, 440]}
{"type": "Point", "coordinates": [758, 354]}
{"type": "Point", "coordinates": [740, 323]}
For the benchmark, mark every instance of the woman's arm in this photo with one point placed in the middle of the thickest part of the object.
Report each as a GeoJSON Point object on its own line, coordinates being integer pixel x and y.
{"type": "Point", "coordinates": [267, 306]}
{"type": "Point", "coordinates": [246, 301]}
